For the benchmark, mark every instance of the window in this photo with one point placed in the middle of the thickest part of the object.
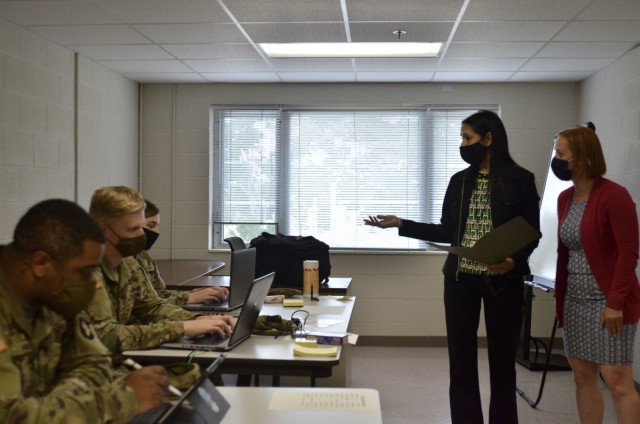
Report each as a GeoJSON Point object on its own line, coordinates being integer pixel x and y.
{"type": "Point", "coordinates": [321, 172]}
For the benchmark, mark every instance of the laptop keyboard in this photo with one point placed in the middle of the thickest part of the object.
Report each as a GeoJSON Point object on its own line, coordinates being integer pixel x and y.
{"type": "Point", "coordinates": [210, 340]}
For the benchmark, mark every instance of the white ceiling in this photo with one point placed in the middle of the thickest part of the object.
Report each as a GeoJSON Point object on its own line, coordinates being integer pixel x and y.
{"type": "Point", "coordinates": [217, 40]}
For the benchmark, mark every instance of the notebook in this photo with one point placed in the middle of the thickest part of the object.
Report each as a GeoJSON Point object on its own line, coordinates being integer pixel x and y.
{"type": "Point", "coordinates": [243, 269]}
{"type": "Point", "coordinates": [244, 325]}
{"type": "Point", "coordinates": [206, 404]}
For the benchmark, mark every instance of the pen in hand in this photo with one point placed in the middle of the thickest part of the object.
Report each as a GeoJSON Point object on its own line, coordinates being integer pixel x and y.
{"type": "Point", "coordinates": [136, 366]}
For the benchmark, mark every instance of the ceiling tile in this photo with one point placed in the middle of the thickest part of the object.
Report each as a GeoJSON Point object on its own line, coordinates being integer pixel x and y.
{"type": "Point", "coordinates": [500, 40]}
{"type": "Point", "coordinates": [471, 76]}
{"type": "Point", "coordinates": [394, 76]}
{"type": "Point", "coordinates": [558, 64]}
{"type": "Point", "coordinates": [600, 31]}
{"type": "Point", "coordinates": [285, 11]}
{"type": "Point", "coordinates": [228, 65]}
{"type": "Point", "coordinates": [407, 10]}
{"type": "Point", "coordinates": [295, 33]}
{"type": "Point", "coordinates": [192, 33]}
{"type": "Point", "coordinates": [241, 77]}
{"type": "Point", "coordinates": [493, 50]}
{"type": "Point", "coordinates": [312, 64]}
{"type": "Point", "coordinates": [620, 10]}
{"type": "Point", "coordinates": [81, 35]}
{"type": "Point", "coordinates": [122, 52]}
{"type": "Point", "coordinates": [74, 12]}
{"type": "Point", "coordinates": [145, 66]}
{"type": "Point", "coordinates": [165, 11]}
{"type": "Point", "coordinates": [548, 76]}
{"type": "Point", "coordinates": [507, 31]}
{"type": "Point", "coordinates": [584, 49]}
{"type": "Point", "coordinates": [522, 10]}
{"type": "Point", "coordinates": [480, 65]}
{"type": "Point", "coordinates": [167, 77]}
{"type": "Point", "coordinates": [396, 65]}
{"type": "Point", "coordinates": [416, 31]}
{"type": "Point", "coordinates": [212, 51]}
{"type": "Point", "coordinates": [317, 76]}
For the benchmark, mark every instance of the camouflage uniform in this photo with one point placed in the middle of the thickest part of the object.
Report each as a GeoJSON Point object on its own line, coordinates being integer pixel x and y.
{"type": "Point", "coordinates": [127, 312]}
{"type": "Point", "coordinates": [172, 296]}
{"type": "Point", "coordinates": [55, 371]}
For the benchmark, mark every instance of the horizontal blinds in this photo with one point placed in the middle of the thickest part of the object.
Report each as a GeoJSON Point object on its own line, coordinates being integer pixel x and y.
{"type": "Point", "coordinates": [444, 156]}
{"type": "Point", "coordinates": [321, 172]}
{"type": "Point", "coordinates": [342, 165]}
{"type": "Point", "coordinates": [245, 166]}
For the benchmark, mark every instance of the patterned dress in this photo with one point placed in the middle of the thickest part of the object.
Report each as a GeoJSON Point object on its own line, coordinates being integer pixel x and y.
{"type": "Point", "coordinates": [584, 336]}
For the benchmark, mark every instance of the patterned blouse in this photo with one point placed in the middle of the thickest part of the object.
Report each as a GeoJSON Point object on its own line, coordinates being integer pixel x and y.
{"type": "Point", "coordinates": [478, 224]}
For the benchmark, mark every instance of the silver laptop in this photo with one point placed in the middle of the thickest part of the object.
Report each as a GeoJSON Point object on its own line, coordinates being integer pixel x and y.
{"type": "Point", "coordinates": [205, 404]}
{"type": "Point", "coordinates": [243, 270]}
{"type": "Point", "coordinates": [244, 326]}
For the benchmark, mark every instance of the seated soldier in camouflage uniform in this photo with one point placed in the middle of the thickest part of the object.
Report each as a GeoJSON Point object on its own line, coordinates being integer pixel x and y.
{"type": "Point", "coordinates": [151, 229]}
{"type": "Point", "coordinates": [126, 311]}
{"type": "Point", "coordinates": [53, 368]}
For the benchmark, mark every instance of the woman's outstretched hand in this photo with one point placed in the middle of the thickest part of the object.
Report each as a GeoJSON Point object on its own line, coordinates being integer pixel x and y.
{"type": "Point", "coordinates": [383, 221]}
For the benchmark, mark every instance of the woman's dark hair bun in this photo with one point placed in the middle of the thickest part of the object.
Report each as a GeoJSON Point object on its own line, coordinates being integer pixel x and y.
{"type": "Point", "coordinates": [590, 125]}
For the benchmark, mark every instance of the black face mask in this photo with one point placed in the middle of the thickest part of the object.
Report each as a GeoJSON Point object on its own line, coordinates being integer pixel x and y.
{"type": "Point", "coordinates": [473, 154]}
{"type": "Point", "coordinates": [152, 236]}
{"type": "Point", "coordinates": [561, 169]}
{"type": "Point", "coordinates": [129, 246]}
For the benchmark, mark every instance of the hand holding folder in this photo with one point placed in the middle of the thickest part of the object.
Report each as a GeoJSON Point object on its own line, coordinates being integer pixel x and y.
{"type": "Point", "coordinates": [498, 244]}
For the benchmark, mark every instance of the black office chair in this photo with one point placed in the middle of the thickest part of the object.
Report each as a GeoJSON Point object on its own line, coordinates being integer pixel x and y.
{"type": "Point", "coordinates": [235, 243]}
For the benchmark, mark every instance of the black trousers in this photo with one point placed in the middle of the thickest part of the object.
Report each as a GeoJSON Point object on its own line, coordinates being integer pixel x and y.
{"type": "Point", "coordinates": [503, 301]}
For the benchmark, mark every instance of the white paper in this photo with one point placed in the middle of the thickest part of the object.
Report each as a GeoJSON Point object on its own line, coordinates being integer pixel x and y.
{"type": "Point", "coordinates": [323, 400]}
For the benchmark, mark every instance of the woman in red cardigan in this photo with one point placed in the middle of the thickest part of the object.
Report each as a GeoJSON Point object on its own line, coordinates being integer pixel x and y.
{"type": "Point", "coordinates": [597, 291]}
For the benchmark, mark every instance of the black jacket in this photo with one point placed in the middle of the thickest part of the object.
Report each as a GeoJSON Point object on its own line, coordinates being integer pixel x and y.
{"type": "Point", "coordinates": [516, 195]}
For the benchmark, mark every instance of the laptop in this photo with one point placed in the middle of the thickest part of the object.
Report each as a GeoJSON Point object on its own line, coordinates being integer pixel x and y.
{"type": "Point", "coordinates": [206, 404]}
{"type": "Point", "coordinates": [243, 269]}
{"type": "Point", "coordinates": [244, 325]}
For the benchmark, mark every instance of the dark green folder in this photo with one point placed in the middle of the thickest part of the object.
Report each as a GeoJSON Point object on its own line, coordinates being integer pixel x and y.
{"type": "Point", "coordinates": [499, 244]}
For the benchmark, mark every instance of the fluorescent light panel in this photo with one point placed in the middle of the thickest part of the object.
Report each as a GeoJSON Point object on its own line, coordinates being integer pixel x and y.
{"type": "Point", "coordinates": [397, 49]}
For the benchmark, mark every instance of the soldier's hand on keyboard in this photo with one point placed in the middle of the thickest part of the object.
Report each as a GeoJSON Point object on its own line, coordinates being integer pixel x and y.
{"type": "Point", "coordinates": [209, 294]}
{"type": "Point", "coordinates": [150, 385]}
{"type": "Point", "coordinates": [220, 325]}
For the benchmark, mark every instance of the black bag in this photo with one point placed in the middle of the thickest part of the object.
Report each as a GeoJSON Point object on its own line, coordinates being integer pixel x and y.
{"type": "Point", "coordinates": [285, 255]}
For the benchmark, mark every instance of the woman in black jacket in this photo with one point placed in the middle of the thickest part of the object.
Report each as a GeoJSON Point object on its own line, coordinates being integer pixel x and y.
{"type": "Point", "coordinates": [490, 192]}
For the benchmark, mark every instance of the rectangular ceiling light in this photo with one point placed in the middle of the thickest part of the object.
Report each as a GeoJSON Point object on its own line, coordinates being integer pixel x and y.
{"type": "Point", "coordinates": [396, 49]}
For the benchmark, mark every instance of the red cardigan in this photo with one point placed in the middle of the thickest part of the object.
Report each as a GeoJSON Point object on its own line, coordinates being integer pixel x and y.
{"type": "Point", "coordinates": [609, 231]}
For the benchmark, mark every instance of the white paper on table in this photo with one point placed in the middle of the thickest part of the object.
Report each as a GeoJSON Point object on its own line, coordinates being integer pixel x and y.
{"type": "Point", "coordinates": [322, 400]}
{"type": "Point", "coordinates": [324, 310]}
{"type": "Point", "coordinates": [322, 322]}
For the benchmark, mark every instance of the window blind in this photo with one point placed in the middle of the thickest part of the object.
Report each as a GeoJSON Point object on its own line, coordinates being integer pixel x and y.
{"type": "Point", "coordinates": [321, 172]}
{"type": "Point", "coordinates": [245, 186]}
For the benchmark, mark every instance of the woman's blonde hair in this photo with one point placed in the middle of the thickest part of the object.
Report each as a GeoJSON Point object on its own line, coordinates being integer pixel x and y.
{"type": "Point", "coordinates": [586, 149]}
{"type": "Point", "coordinates": [115, 201]}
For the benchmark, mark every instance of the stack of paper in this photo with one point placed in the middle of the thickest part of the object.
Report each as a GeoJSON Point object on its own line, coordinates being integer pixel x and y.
{"type": "Point", "coordinates": [315, 351]}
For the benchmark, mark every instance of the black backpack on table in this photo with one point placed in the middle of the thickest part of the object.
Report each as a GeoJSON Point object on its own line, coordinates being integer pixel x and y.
{"type": "Point", "coordinates": [284, 255]}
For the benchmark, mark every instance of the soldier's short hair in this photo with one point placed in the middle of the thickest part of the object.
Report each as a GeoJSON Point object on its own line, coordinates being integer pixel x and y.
{"type": "Point", "coordinates": [58, 227]}
{"type": "Point", "coordinates": [114, 202]}
{"type": "Point", "coordinates": [151, 209]}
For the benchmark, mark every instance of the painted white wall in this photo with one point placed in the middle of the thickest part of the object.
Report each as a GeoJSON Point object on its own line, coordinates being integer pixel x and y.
{"type": "Point", "coordinates": [398, 294]}
{"type": "Point", "coordinates": [611, 100]}
{"type": "Point", "coordinates": [107, 130]}
{"type": "Point", "coordinates": [37, 121]}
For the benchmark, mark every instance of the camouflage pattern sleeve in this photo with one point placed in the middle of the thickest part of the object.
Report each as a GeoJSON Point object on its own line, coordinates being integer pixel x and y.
{"type": "Point", "coordinates": [119, 330]}
{"type": "Point", "coordinates": [149, 307]}
{"type": "Point", "coordinates": [153, 274]}
{"type": "Point", "coordinates": [77, 388]}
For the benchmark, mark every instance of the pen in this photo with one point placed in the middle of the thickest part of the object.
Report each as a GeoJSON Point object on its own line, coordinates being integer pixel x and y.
{"type": "Point", "coordinates": [136, 366]}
